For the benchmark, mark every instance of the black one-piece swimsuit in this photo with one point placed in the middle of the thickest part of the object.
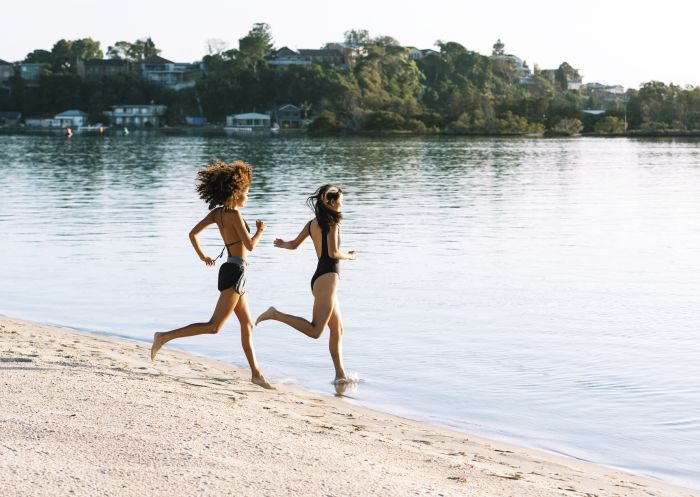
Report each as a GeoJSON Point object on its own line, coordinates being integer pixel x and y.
{"type": "Point", "coordinates": [326, 264]}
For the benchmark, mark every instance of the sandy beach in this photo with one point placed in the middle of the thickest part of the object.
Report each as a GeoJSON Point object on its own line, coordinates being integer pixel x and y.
{"type": "Point", "coordinates": [86, 415]}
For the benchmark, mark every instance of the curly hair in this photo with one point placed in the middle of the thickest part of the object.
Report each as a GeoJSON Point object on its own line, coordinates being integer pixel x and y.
{"type": "Point", "coordinates": [318, 202]}
{"type": "Point", "coordinates": [221, 183]}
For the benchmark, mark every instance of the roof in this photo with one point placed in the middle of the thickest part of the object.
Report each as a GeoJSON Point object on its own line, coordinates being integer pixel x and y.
{"type": "Point", "coordinates": [105, 62]}
{"type": "Point", "coordinates": [593, 112]}
{"type": "Point", "coordinates": [250, 115]}
{"type": "Point", "coordinates": [288, 106]}
{"type": "Point", "coordinates": [137, 105]}
{"type": "Point", "coordinates": [72, 113]}
{"type": "Point", "coordinates": [10, 115]}
{"type": "Point", "coordinates": [4, 63]}
{"type": "Point", "coordinates": [156, 59]}
{"type": "Point", "coordinates": [322, 52]}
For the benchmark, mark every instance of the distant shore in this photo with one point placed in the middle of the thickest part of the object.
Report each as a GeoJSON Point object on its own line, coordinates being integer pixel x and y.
{"type": "Point", "coordinates": [220, 131]}
{"type": "Point", "coordinates": [89, 415]}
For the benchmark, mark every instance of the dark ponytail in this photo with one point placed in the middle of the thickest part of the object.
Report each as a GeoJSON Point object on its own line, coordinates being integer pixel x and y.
{"type": "Point", "coordinates": [318, 202]}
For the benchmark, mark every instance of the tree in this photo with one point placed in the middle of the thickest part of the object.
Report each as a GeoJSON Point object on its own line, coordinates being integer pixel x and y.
{"type": "Point", "coordinates": [385, 41]}
{"type": "Point", "coordinates": [498, 48]}
{"type": "Point", "coordinates": [568, 127]}
{"type": "Point", "coordinates": [610, 125]}
{"type": "Point", "coordinates": [356, 36]}
{"type": "Point", "coordinates": [564, 74]}
{"type": "Point", "coordinates": [65, 54]}
{"type": "Point", "coordinates": [134, 52]}
{"type": "Point", "coordinates": [38, 57]}
{"type": "Point", "coordinates": [253, 47]}
{"type": "Point", "coordinates": [216, 46]}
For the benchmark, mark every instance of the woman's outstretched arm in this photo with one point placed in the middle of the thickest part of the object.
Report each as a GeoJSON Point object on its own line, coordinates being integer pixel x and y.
{"type": "Point", "coordinates": [199, 227]}
{"type": "Point", "coordinates": [249, 242]}
{"type": "Point", "coordinates": [292, 245]}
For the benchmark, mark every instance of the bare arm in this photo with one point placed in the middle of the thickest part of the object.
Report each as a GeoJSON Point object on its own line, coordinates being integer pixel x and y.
{"type": "Point", "coordinates": [293, 244]}
{"type": "Point", "coordinates": [249, 242]}
{"type": "Point", "coordinates": [199, 227]}
{"type": "Point", "coordinates": [334, 251]}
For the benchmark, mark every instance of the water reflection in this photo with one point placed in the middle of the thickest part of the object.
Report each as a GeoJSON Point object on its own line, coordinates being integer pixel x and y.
{"type": "Point", "coordinates": [539, 290]}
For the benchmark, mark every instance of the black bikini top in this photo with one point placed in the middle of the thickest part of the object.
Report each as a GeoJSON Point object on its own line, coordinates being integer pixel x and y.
{"type": "Point", "coordinates": [227, 245]}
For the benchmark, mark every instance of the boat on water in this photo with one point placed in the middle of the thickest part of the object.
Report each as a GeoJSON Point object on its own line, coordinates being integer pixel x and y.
{"type": "Point", "coordinates": [98, 128]}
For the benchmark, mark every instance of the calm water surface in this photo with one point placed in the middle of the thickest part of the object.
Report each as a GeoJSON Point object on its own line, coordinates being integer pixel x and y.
{"type": "Point", "coordinates": [541, 291]}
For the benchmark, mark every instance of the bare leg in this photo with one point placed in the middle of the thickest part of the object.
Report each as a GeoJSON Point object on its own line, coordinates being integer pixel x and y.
{"type": "Point", "coordinates": [243, 315]}
{"type": "Point", "coordinates": [324, 297]}
{"type": "Point", "coordinates": [335, 344]}
{"type": "Point", "coordinates": [224, 307]}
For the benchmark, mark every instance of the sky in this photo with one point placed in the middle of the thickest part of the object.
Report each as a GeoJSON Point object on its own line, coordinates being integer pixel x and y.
{"type": "Point", "coordinates": [614, 41]}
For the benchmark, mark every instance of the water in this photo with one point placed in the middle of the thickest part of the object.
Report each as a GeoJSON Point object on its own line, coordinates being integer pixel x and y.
{"type": "Point", "coordinates": [540, 291]}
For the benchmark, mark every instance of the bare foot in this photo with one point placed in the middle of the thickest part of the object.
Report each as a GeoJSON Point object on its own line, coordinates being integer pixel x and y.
{"type": "Point", "coordinates": [157, 344]}
{"type": "Point", "coordinates": [268, 314]}
{"type": "Point", "coordinates": [341, 380]}
{"type": "Point", "coordinates": [262, 382]}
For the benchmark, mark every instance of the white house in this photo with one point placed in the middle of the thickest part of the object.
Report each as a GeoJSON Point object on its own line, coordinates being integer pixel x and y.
{"type": "Point", "coordinates": [250, 120]}
{"type": "Point", "coordinates": [138, 116]}
{"type": "Point", "coordinates": [71, 119]}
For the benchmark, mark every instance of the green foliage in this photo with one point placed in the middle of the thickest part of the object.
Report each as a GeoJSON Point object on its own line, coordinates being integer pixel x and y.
{"type": "Point", "coordinates": [565, 73]}
{"type": "Point", "coordinates": [455, 90]}
{"type": "Point", "coordinates": [610, 125]}
{"type": "Point", "coordinates": [134, 52]}
{"type": "Point", "coordinates": [568, 127]}
{"type": "Point", "coordinates": [356, 36]}
{"type": "Point", "coordinates": [513, 124]}
{"type": "Point", "coordinates": [325, 124]}
{"type": "Point", "coordinates": [498, 48]}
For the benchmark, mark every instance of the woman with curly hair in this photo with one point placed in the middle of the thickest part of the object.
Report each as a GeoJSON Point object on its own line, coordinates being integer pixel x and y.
{"type": "Point", "coordinates": [225, 188]}
{"type": "Point", "coordinates": [324, 231]}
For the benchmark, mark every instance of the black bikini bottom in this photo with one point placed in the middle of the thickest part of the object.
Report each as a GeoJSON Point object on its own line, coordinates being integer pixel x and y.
{"type": "Point", "coordinates": [232, 275]}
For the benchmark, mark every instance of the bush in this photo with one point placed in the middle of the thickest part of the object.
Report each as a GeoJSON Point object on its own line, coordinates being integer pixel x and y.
{"type": "Point", "coordinates": [610, 125]}
{"type": "Point", "coordinates": [325, 124]}
{"type": "Point", "coordinates": [568, 127]}
{"type": "Point", "coordinates": [383, 120]}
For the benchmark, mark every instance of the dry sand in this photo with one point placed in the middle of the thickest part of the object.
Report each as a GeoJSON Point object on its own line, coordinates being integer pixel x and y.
{"type": "Point", "coordinates": [84, 415]}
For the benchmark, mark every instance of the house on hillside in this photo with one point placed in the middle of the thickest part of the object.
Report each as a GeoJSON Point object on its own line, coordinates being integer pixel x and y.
{"type": "Point", "coordinates": [288, 117]}
{"type": "Point", "coordinates": [30, 73]}
{"type": "Point", "coordinates": [174, 75]}
{"type": "Point", "coordinates": [7, 70]}
{"type": "Point", "coordinates": [287, 57]}
{"type": "Point", "coordinates": [417, 54]}
{"type": "Point", "coordinates": [137, 116]}
{"type": "Point", "coordinates": [95, 68]}
{"type": "Point", "coordinates": [71, 119]}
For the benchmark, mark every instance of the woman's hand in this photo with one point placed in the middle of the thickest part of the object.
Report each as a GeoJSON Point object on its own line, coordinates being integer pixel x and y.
{"type": "Point", "coordinates": [208, 260]}
{"type": "Point", "coordinates": [353, 255]}
{"type": "Point", "coordinates": [279, 243]}
{"type": "Point", "coordinates": [260, 225]}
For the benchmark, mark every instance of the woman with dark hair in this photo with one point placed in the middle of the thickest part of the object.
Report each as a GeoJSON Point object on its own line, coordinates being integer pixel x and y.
{"type": "Point", "coordinates": [225, 188]}
{"type": "Point", "coordinates": [324, 231]}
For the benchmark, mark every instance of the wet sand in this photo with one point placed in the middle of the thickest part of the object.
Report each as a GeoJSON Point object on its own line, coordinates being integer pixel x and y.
{"type": "Point", "coordinates": [85, 415]}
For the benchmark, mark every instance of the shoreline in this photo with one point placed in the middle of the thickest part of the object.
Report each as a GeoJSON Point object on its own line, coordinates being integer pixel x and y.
{"type": "Point", "coordinates": [219, 131]}
{"type": "Point", "coordinates": [93, 415]}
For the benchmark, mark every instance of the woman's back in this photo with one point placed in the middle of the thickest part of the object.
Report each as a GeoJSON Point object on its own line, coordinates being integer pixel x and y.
{"type": "Point", "coordinates": [225, 221]}
{"type": "Point", "coordinates": [318, 238]}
